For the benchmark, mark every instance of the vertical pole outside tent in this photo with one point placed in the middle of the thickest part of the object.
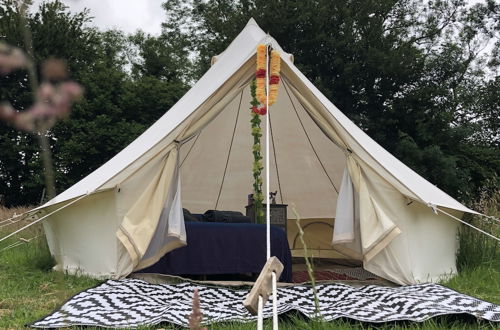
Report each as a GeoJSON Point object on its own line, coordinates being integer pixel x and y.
{"type": "Point", "coordinates": [260, 306]}
{"type": "Point", "coordinates": [268, 207]}
{"type": "Point", "coordinates": [260, 317]}
{"type": "Point", "coordinates": [275, 302]}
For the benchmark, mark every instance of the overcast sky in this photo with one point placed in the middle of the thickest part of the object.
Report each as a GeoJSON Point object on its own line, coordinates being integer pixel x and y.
{"type": "Point", "coordinates": [125, 15]}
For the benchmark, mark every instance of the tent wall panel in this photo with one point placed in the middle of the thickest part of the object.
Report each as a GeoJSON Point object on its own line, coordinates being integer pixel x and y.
{"type": "Point", "coordinates": [85, 236]}
{"type": "Point", "coordinates": [300, 158]}
{"type": "Point", "coordinates": [317, 236]}
{"type": "Point", "coordinates": [393, 262]}
{"type": "Point", "coordinates": [305, 157]}
{"type": "Point", "coordinates": [433, 243]}
{"type": "Point", "coordinates": [203, 169]}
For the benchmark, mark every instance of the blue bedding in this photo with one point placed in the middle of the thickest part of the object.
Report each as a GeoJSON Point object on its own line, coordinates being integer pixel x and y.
{"type": "Point", "coordinates": [225, 248]}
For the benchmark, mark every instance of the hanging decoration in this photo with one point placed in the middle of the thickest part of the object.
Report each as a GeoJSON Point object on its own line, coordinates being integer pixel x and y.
{"type": "Point", "coordinates": [274, 77]}
{"type": "Point", "coordinates": [258, 107]}
{"type": "Point", "coordinates": [260, 73]}
{"type": "Point", "coordinates": [257, 167]}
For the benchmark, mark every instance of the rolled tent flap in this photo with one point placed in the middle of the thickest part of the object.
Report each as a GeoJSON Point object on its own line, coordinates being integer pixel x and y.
{"type": "Point", "coordinates": [157, 211]}
{"type": "Point", "coordinates": [346, 237]}
{"type": "Point", "coordinates": [343, 232]}
{"type": "Point", "coordinates": [376, 227]}
{"type": "Point", "coordinates": [170, 232]}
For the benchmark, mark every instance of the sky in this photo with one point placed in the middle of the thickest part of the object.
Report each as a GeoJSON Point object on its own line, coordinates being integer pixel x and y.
{"type": "Point", "coordinates": [130, 15]}
{"type": "Point", "coordinates": [124, 15]}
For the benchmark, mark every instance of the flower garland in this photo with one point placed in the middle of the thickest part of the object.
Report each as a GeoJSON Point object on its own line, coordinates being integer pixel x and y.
{"type": "Point", "coordinates": [260, 73]}
{"type": "Point", "coordinates": [257, 167]}
{"type": "Point", "coordinates": [260, 78]}
{"type": "Point", "coordinates": [258, 92]}
{"type": "Point", "coordinates": [274, 78]}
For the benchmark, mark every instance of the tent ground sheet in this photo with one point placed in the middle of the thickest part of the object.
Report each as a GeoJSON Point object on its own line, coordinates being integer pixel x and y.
{"type": "Point", "coordinates": [132, 303]}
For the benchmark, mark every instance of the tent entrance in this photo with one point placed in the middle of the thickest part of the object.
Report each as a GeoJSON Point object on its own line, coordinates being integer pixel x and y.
{"type": "Point", "coordinates": [306, 170]}
{"type": "Point", "coordinates": [306, 167]}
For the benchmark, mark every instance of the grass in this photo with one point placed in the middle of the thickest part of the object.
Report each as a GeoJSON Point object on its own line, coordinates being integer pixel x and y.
{"type": "Point", "coordinates": [477, 249]}
{"type": "Point", "coordinates": [29, 290]}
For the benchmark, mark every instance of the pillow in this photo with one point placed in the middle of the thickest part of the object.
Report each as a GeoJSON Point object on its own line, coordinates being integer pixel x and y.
{"type": "Point", "coordinates": [225, 216]}
{"type": "Point", "coordinates": [188, 216]}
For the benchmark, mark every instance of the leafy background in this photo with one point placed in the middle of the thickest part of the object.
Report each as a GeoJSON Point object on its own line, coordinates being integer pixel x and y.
{"type": "Point", "coordinates": [420, 77]}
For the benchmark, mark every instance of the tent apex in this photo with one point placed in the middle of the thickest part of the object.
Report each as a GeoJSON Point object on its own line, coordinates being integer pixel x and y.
{"type": "Point", "coordinates": [252, 21]}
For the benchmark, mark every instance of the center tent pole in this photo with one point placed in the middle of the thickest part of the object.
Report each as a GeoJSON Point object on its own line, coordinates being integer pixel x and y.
{"type": "Point", "coordinates": [268, 206]}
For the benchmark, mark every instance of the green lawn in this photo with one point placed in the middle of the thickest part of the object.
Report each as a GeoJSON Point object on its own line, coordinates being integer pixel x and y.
{"type": "Point", "coordinates": [29, 290]}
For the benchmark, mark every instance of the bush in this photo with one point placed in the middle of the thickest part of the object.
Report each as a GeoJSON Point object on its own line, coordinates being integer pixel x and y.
{"type": "Point", "coordinates": [475, 248]}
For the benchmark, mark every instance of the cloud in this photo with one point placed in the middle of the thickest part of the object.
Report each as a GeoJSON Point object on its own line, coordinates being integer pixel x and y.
{"type": "Point", "coordinates": [125, 15]}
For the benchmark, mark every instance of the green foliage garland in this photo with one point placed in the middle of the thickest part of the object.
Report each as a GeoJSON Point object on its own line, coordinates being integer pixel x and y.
{"type": "Point", "coordinates": [257, 167]}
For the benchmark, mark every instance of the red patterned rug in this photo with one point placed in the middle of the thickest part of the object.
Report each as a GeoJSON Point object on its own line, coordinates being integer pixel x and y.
{"type": "Point", "coordinates": [302, 276]}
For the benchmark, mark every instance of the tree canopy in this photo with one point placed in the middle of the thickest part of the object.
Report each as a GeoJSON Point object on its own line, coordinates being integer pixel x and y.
{"type": "Point", "coordinates": [420, 77]}
{"type": "Point", "coordinates": [129, 81]}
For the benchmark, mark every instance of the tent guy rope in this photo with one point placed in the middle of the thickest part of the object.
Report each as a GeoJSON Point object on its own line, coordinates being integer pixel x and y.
{"type": "Point", "coordinates": [436, 209]}
{"type": "Point", "coordinates": [19, 242]}
{"type": "Point", "coordinates": [42, 218]}
{"type": "Point", "coordinates": [11, 219]}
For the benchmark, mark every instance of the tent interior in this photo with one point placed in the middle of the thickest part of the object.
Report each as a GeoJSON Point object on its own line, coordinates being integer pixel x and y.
{"type": "Point", "coordinates": [306, 170]}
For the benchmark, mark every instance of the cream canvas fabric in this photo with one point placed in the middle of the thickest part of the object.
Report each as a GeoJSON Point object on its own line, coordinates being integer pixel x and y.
{"type": "Point", "coordinates": [198, 156]}
{"type": "Point", "coordinates": [347, 210]}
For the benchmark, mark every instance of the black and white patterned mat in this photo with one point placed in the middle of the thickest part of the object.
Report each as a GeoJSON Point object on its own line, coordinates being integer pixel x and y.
{"type": "Point", "coordinates": [132, 303]}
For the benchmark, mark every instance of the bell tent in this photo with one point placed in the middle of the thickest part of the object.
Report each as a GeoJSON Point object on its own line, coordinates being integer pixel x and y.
{"type": "Point", "coordinates": [355, 199]}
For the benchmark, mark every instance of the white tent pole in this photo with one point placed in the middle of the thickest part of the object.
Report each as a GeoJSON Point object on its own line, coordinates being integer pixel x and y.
{"type": "Point", "coordinates": [260, 316]}
{"type": "Point", "coordinates": [45, 216]}
{"type": "Point", "coordinates": [268, 210]}
{"type": "Point", "coordinates": [275, 302]}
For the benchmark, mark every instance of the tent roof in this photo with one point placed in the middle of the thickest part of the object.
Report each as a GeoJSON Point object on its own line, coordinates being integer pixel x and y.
{"type": "Point", "coordinates": [230, 61]}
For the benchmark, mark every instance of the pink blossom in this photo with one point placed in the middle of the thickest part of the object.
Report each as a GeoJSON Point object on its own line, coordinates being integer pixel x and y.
{"type": "Point", "coordinates": [11, 58]}
{"type": "Point", "coordinates": [53, 102]}
{"type": "Point", "coordinates": [54, 69]}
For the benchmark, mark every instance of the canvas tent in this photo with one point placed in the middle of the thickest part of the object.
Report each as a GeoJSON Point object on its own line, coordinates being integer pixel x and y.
{"type": "Point", "coordinates": [128, 213]}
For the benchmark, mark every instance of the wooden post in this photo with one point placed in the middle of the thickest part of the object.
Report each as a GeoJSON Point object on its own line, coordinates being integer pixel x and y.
{"type": "Point", "coordinates": [264, 285]}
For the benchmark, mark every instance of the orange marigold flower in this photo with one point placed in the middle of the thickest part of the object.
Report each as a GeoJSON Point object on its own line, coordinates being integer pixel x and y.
{"type": "Point", "coordinates": [261, 73]}
{"type": "Point", "coordinates": [275, 76]}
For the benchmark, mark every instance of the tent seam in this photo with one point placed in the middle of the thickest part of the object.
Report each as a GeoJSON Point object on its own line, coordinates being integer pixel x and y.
{"type": "Point", "coordinates": [309, 139]}
{"type": "Point", "coordinates": [230, 148]}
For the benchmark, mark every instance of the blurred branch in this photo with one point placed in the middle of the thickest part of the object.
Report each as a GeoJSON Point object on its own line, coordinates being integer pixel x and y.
{"type": "Point", "coordinates": [52, 99]}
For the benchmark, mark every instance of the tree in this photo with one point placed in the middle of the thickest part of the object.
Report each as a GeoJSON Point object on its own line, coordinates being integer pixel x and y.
{"type": "Point", "coordinates": [125, 92]}
{"type": "Point", "coordinates": [401, 70]}
{"type": "Point", "coordinates": [20, 165]}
